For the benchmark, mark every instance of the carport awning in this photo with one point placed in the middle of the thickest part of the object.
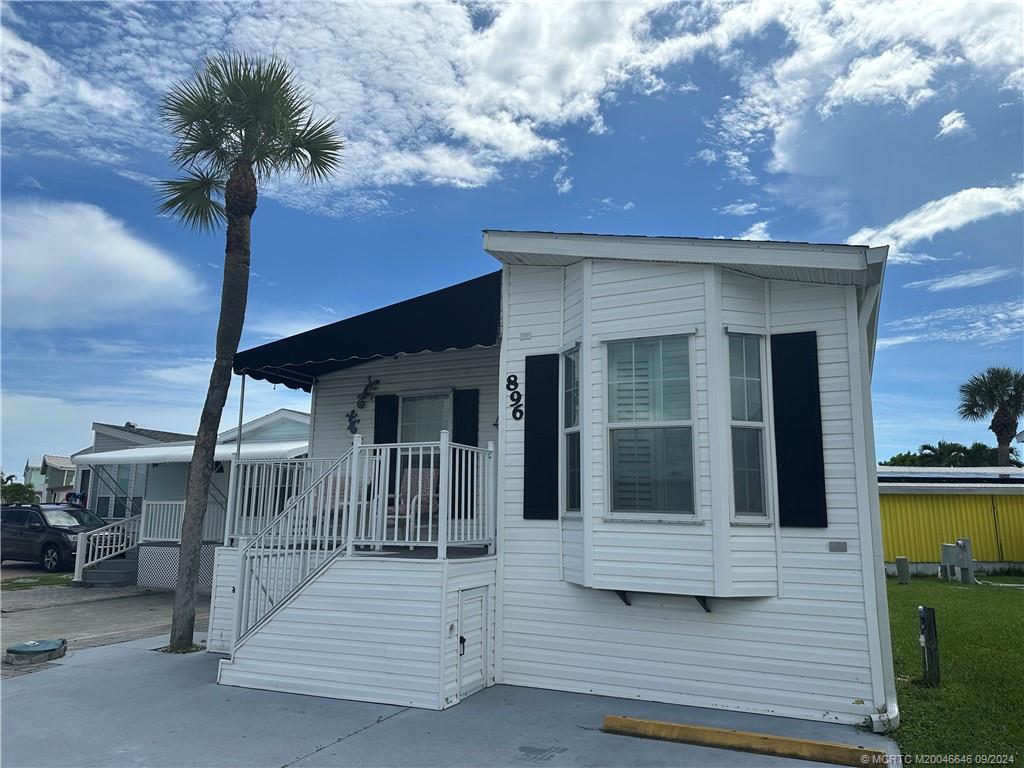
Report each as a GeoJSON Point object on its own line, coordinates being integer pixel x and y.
{"type": "Point", "coordinates": [461, 316]}
{"type": "Point", "coordinates": [182, 454]}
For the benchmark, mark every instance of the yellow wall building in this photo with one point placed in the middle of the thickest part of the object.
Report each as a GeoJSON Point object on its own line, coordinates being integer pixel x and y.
{"type": "Point", "coordinates": [923, 508]}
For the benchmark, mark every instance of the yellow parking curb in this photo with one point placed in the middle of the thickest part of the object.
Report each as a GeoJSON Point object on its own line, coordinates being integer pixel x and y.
{"type": "Point", "coordinates": [744, 741]}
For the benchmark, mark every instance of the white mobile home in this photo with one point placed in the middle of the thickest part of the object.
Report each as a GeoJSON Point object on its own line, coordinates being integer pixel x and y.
{"type": "Point", "coordinates": [140, 479]}
{"type": "Point", "coordinates": [629, 466]}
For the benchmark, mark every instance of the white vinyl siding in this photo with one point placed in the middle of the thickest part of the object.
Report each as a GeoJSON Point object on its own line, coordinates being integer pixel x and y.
{"type": "Point", "coordinates": [426, 373]}
{"type": "Point", "coordinates": [221, 629]}
{"type": "Point", "coordinates": [465, 575]}
{"type": "Point", "coordinates": [365, 628]}
{"type": "Point", "coordinates": [371, 629]}
{"type": "Point", "coordinates": [804, 654]}
{"type": "Point", "coordinates": [630, 553]}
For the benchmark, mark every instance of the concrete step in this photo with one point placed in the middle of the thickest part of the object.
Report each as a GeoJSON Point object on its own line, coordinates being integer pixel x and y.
{"type": "Point", "coordinates": [108, 580]}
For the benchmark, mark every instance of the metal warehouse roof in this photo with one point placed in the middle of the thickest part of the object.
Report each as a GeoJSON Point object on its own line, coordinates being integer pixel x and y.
{"type": "Point", "coordinates": [951, 480]}
{"type": "Point", "coordinates": [950, 474]}
{"type": "Point", "coordinates": [461, 316]}
{"type": "Point", "coordinates": [182, 453]}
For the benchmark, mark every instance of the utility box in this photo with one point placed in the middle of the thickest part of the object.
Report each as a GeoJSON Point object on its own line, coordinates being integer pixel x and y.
{"type": "Point", "coordinates": [947, 562]}
{"type": "Point", "coordinates": [965, 561]}
{"type": "Point", "coordinates": [956, 562]}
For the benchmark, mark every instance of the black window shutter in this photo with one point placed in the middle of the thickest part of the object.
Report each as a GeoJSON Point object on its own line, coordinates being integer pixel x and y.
{"type": "Point", "coordinates": [385, 419]}
{"type": "Point", "coordinates": [466, 417]}
{"type": "Point", "coordinates": [540, 438]}
{"type": "Point", "coordinates": [799, 454]}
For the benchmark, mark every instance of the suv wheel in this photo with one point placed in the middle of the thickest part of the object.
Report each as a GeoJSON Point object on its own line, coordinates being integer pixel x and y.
{"type": "Point", "coordinates": [50, 559]}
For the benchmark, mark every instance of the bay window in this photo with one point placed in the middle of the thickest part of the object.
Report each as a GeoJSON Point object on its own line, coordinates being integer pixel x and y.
{"type": "Point", "coordinates": [571, 427]}
{"type": "Point", "coordinates": [747, 426]}
{"type": "Point", "coordinates": [650, 427]}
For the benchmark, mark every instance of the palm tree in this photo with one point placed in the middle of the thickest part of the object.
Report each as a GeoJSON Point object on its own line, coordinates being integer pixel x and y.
{"type": "Point", "coordinates": [1000, 392]}
{"type": "Point", "coordinates": [942, 455]}
{"type": "Point", "coordinates": [239, 121]}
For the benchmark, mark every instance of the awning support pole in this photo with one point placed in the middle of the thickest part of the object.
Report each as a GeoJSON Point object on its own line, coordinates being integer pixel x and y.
{"type": "Point", "coordinates": [229, 512]}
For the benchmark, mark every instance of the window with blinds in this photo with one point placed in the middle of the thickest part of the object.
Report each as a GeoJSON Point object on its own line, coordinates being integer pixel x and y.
{"type": "Point", "coordinates": [747, 426]}
{"type": "Point", "coordinates": [650, 427]}
{"type": "Point", "coordinates": [423, 417]}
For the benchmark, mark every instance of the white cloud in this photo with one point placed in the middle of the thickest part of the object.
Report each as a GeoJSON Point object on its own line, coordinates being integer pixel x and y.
{"type": "Point", "coordinates": [741, 208]}
{"type": "Point", "coordinates": [562, 180]}
{"type": "Point", "coordinates": [971, 278]}
{"type": "Point", "coordinates": [426, 93]}
{"type": "Point", "coordinates": [833, 55]}
{"type": "Point", "coordinates": [898, 74]}
{"type": "Point", "coordinates": [73, 265]}
{"type": "Point", "coordinates": [952, 123]}
{"type": "Point", "coordinates": [989, 323]}
{"type": "Point", "coordinates": [279, 323]}
{"type": "Point", "coordinates": [30, 182]}
{"type": "Point", "coordinates": [35, 424]}
{"type": "Point", "coordinates": [757, 231]}
{"type": "Point", "coordinates": [946, 214]}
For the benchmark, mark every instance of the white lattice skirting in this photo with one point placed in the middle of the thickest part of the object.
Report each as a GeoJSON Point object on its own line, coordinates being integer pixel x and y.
{"type": "Point", "coordinates": [158, 566]}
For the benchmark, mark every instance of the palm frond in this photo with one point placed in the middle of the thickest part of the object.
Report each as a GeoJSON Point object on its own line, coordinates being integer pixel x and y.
{"type": "Point", "coordinates": [242, 109]}
{"type": "Point", "coordinates": [994, 389]}
{"type": "Point", "coordinates": [193, 200]}
{"type": "Point", "coordinates": [314, 151]}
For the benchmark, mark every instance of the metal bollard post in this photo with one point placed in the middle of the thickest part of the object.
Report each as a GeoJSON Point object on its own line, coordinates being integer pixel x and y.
{"type": "Point", "coordinates": [929, 639]}
{"type": "Point", "coordinates": [902, 570]}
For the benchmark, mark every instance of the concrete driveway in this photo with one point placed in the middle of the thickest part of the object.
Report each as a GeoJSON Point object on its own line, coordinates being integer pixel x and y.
{"type": "Point", "coordinates": [126, 705]}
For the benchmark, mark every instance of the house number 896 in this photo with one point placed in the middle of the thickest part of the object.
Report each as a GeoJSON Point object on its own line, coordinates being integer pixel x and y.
{"type": "Point", "coordinates": [515, 397]}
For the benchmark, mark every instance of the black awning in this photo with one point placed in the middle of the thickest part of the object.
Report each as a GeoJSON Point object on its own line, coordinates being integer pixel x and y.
{"type": "Point", "coordinates": [458, 317]}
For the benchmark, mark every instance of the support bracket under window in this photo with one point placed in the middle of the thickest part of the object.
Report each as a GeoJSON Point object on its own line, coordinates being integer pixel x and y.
{"type": "Point", "coordinates": [703, 603]}
{"type": "Point", "coordinates": [623, 596]}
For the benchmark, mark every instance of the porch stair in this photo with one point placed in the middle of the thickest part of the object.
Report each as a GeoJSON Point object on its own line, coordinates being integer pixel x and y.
{"type": "Point", "coordinates": [120, 571]}
{"type": "Point", "coordinates": [382, 499]}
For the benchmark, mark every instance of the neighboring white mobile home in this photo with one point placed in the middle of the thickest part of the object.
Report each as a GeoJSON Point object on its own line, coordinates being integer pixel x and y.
{"type": "Point", "coordinates": [139, 478]}
{"type": "Point", "coordinates": [628, 466]}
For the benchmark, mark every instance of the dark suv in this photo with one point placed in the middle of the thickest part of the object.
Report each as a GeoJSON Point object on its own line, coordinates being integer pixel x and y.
{"type": "Point", "coordinates": [44, 533]}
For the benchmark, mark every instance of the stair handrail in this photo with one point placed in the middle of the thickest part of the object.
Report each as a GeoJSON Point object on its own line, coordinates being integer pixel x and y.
{"type": "Point", "coordinates": [90, 551]}
{"type": "Point", "coordinates": [279, 565]}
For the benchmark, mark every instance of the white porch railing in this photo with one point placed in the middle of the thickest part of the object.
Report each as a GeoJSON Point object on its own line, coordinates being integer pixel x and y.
{"type": "Point", "coordinates": [106, 542]}
{"type": "Point", "coordinates": [405, 495]}
{"type": "Point", "coordinates": [262, 488]}
{"type": "Point", "coordinates": [161, 521]}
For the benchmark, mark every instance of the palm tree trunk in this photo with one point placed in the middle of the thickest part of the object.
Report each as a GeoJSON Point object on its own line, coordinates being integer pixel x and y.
{"type": "Point", "coordinates": [1004, 426]}
{"type": "Point", "coordinates": [240, 204]}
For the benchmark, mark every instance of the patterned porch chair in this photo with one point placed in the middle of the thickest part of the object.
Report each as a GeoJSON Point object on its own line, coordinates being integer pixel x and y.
{"type": "Point", "coordinates": [418, 502]}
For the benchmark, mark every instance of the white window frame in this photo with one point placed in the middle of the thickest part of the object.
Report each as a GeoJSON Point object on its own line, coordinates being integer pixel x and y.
{"type": "Point", "coordinates": [448, 393]}
{"type": "Point", "coordinates": [563, 453]}
{"type": "Point", "coordinates": [767, 435]}
{"type": "Point", "coordinates": [607, 426]}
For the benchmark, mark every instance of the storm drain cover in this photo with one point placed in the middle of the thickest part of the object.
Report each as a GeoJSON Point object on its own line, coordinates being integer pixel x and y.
{"type": "Point", "coordinates": [35, 651]}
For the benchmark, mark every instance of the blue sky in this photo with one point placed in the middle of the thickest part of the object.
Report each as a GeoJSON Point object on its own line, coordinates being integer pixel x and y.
{"type": "Point", "coordinates": [890, 123]}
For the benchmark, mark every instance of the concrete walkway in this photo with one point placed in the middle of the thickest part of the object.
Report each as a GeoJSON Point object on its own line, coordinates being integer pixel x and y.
{"type": "Point", "coordinates": [125, 705]}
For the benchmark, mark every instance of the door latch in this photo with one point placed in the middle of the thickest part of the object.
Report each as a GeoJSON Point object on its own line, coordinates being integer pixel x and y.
{"type": "Point", "coordinates": [462, 645]}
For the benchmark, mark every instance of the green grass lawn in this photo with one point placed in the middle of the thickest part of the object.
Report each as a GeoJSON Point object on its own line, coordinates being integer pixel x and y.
{"type": "Point", "coordinates": [36, 580]}
{"type": "Point", "coordinates": [978, 708]}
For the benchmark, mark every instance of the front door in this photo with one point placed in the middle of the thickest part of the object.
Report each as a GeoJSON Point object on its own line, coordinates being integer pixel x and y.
{"type": "Point", "coordinates": [472, 641]}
